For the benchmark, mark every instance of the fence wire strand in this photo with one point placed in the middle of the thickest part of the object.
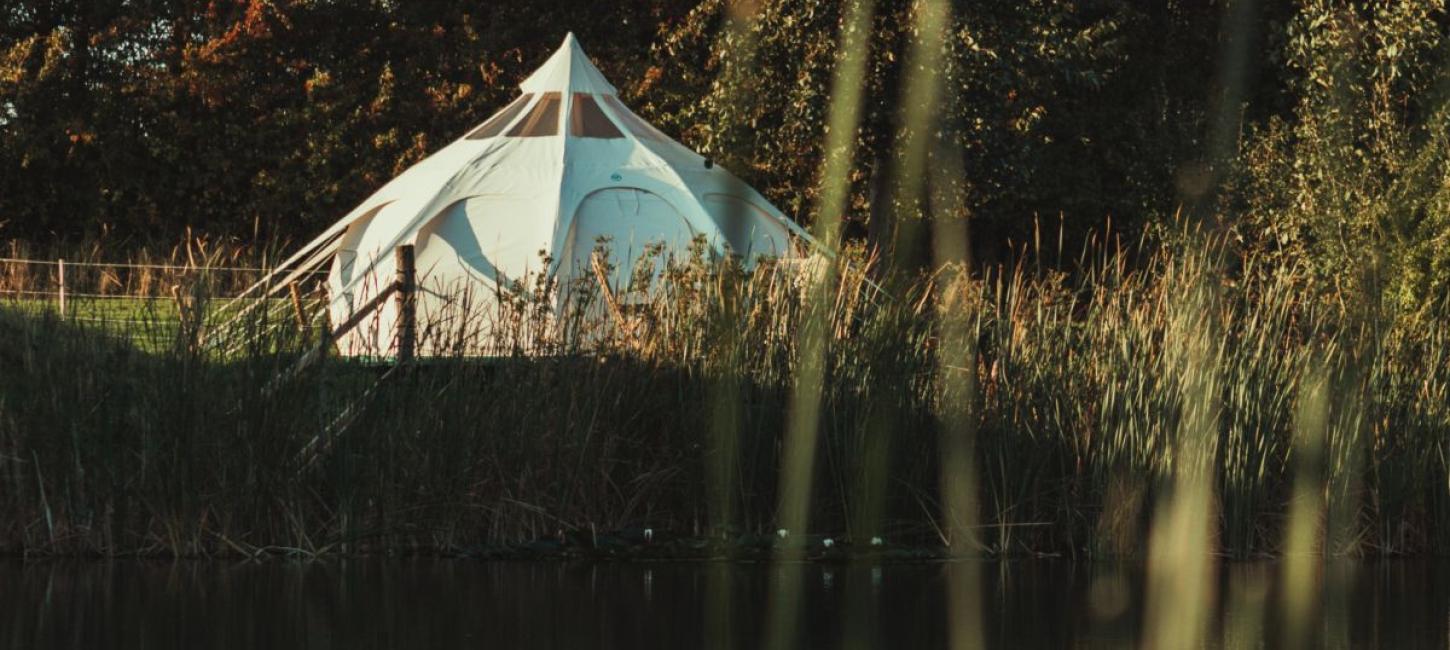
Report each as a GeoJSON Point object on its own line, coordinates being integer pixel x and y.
{"type": "Point", "coordinates": [137, 265]}
{"type": "Point", "coordinates": [87, 296]}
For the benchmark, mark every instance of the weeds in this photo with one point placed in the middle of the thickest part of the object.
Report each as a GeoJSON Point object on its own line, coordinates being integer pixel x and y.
{"type": "Point", "coordinates": [1079, 407]}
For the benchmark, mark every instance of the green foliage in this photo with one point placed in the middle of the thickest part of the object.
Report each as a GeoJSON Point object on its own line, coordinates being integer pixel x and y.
{"type": "Point", "coordinates": [257, 120]}
{"type": "Point", "coordinates": [1078, 109]}
{"type": "Point", "coordinates": [1354, 184]}
{"type": "Point", "coordinates": [264, 121]}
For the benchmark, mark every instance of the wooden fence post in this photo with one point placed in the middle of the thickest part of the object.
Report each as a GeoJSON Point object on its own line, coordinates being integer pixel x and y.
{"type": "Point", "coordinates": [60, 271]}
{"type": "Point", "coordinates": [296, 295]}
{"type": "Point", "coordinates": [407, 305]}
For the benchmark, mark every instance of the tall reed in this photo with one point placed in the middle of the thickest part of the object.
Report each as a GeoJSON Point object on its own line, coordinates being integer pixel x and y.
{"type": "Point", "coordinates": [1076, 403]}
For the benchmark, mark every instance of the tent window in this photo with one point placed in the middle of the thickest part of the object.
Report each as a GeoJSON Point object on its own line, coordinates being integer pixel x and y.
{"type": "Point", "coordinates": [501, 119]}
{"type": "Point", "coordinates": [541, 121]}
{"type": "Point", "coordinates": [587, 121]}
{"type": "Point", "coordinates": [637, 126]}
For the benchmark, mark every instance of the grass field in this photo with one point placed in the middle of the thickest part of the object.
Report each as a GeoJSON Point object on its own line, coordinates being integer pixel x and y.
{"type": "Point", "coordinates": [148, 323]}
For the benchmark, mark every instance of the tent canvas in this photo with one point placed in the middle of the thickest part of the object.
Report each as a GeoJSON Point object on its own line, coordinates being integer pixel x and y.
{"type": "Point", "coordinates": [531, 191]}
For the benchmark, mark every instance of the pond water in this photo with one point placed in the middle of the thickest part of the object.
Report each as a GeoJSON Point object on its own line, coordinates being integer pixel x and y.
{"type": "Point", "coordinates": [376, 603]}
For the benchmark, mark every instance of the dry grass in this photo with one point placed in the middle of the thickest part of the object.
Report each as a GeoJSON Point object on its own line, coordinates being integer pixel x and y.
{"type": "Point", "coordinates": [1079, 407]}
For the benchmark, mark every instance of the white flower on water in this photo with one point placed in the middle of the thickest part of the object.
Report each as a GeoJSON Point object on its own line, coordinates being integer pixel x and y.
{"type": "Point", "coordinates": [877, 541]}
{"type": "Point", "coordinates": [782, 533]}
{"type": "Point", "coordinates": [828, 542]}
{"type": "Point", "coordinates": [649, 535]}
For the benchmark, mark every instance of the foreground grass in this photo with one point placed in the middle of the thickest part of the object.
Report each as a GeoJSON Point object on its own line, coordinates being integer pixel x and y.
{"type": "Point", "coordinates": [1091, 396]}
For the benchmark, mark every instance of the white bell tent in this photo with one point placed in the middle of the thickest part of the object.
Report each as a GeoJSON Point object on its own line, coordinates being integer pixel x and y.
{"type": "Point", "coordinates": [562, 166]}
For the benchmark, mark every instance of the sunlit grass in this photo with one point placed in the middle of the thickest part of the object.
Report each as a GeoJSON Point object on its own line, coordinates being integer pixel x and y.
{"type": "Point", "coordinates": [1074, 397]}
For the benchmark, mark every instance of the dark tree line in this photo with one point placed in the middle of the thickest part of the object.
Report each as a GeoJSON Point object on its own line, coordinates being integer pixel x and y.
{"type": "Point", "coordinates": [258, 119]}
{"type": "Point", "coordinates": [265, 120]}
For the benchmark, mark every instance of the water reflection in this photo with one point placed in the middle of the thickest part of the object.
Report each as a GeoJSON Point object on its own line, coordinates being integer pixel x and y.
{"type": "Point", "coordinates": [463, 604]}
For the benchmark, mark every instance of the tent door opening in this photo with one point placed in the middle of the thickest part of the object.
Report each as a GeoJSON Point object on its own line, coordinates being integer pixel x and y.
{"type": "Point", "coordinates": [632, 223]}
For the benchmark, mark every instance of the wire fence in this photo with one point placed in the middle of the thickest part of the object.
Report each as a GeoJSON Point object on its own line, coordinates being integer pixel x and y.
{"type": "Point", "coordinates": [152, 304]}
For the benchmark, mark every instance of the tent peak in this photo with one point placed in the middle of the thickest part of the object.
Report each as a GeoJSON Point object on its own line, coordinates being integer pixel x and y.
{"type": "Point", "coordinates": [568, 70]}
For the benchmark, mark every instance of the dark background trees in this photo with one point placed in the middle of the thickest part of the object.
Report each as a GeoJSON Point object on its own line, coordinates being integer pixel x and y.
{"type": "Point", "coordinates": [258, 119]}
{"type": "Point", "coordinates": [265, 120]}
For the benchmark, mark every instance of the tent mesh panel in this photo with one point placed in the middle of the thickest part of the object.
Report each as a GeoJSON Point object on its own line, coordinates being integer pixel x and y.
{"type": "Point", "coordinates": [542, 121]}
{"type": "Point", "coordinates": [637, 126]}
{"type": "Point", "coordinates": [501, 119]}
{"type": "Point", "coordinates": [587, 121]}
